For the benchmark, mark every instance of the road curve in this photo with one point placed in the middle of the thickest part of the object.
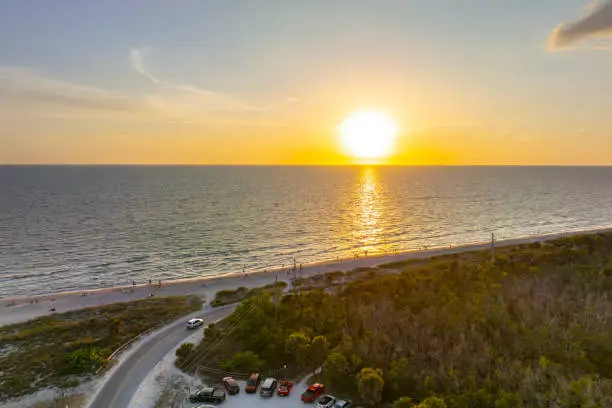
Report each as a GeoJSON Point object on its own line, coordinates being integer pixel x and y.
{"type": "Point", "coordinates": [118, 390]}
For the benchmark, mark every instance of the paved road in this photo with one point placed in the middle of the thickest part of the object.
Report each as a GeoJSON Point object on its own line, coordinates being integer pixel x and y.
{"type": "Point", "coordinates": [119, 389]}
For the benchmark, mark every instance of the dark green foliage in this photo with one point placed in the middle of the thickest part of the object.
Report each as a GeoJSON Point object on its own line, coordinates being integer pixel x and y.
{"type": "Point", "coordinates": [403, 402]}
{"type": "Point", "coordinates": [244, 362]}
{"type": "Point", "coordinates": [52, 350]}
{"type": "Point", "coordinates": [531, 329]}
{"type": "Point", "coordinates": [183, 353]}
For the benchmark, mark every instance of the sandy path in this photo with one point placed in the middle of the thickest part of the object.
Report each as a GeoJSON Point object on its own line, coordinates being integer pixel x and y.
{"type": "Point", "coordinates": [13, 310]}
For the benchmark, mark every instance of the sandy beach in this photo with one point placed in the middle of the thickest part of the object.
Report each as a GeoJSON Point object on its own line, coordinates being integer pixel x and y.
{"type": "Point", "coordinates": [20, 309]}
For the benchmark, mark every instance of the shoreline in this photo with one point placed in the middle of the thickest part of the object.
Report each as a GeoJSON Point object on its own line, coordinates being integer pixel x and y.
{"type": "Point", "coordinates": [22, 308]}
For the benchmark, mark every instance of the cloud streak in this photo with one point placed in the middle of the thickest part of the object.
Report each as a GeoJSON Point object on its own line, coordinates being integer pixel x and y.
{"type": "Point", "coordinates": [29, 90]}
{"type": "Point", "coordinates": [597, 23]}
{"type": "Point", "coordinates": [28, 87]}
{"type": "Point", "coordinates": [185, 100]}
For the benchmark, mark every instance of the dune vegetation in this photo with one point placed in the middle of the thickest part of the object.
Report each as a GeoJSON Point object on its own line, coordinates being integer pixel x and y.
{"type": "Point", "coordinates": [228, 296]}
{"type": "Point", "coordinates": [57, 350]}
{"type": "Point", "coordinates": [531, 328]}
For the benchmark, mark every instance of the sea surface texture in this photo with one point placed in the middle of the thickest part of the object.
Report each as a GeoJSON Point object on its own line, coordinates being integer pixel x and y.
{"type": "Point", "coordinates": [81, 227]}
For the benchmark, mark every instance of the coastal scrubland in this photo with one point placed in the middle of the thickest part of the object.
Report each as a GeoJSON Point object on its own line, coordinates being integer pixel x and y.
{"type": "Point", "coordinates": [529, 327]}
{"type": "Point", "coordinates": [60, 349]}
{"type": "Point", "coordinates": [227, 297]}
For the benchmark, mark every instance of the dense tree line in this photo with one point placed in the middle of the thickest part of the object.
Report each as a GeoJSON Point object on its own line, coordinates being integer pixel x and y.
{"type": "Point", "coordinates": [531, 329]}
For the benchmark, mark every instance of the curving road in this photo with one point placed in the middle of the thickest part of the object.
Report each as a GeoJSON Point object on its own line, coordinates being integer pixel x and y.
{"type": "Point", "coordinates": [118, 390]}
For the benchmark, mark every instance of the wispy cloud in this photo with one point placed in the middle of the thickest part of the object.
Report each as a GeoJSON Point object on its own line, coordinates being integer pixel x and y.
{"type": "Point", "coordinates": [189, 101]}
{"type": "Point", "coordinates": [136, 58]}
{"type": "Point", "coordinates": [596, 23]}
{"type": "Point", "coordinates": [30, 86]}
{"type": "Point", "coordinates": [166, 100]}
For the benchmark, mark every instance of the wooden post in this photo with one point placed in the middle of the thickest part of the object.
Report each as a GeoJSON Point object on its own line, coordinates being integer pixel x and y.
{"type": "Point", "coordinates": [492, 247]}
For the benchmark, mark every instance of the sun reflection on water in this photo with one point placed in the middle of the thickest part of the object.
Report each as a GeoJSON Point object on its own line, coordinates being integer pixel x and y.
{"type": "Point", "coordinates": [368, 224]}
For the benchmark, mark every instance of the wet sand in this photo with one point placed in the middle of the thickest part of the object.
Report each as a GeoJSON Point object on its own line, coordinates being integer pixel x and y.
{"type": "Point", "coordinates": [18, 309]}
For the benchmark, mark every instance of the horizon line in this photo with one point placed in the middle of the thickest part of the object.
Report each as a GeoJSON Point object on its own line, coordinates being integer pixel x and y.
{"type": "Point", "coordinates": [290, 165]}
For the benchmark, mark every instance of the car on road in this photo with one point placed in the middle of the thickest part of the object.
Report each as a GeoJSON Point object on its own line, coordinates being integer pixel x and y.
{"type": "Point", "coordinates": [268, 387]}
{"type": "Point", "coordinates": [252, 383]}
{"type": "Point", "coordinates": [343, 404]}
{"type": "Point", "coordinates": [326, 401]}
{"type": "Point", "coordinates": [194, 323]}
{"type": "Point", "coordinates": [211, 394]}
{"type": "Point", "coordinates": [231, 385]}
{"type": "Point", "coordinates": [284, 388]}
{"type": "Point", "coordinates": [312, 392]}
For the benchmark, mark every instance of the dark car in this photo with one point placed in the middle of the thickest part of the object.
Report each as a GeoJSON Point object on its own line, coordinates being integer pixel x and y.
{"type": "Point", "coordinates": [252, 383]}
{"type": "Point", "coordinates": [231, 385]}
{"type": "Point", "coordinates": [215, 395]}
{"type": "Point", "coordinates": [268, 387]}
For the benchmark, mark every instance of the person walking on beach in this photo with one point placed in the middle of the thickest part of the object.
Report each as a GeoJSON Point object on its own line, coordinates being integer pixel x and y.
{"type": "Point", "coordinates": [150, 282]}
{"type": "Point", "coordinates": [133, 283]}
{"type": "Point", "coordinates": [159, 284]}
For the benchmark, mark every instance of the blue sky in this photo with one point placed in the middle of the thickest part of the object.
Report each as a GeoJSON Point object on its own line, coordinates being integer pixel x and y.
{"type": "Point", "coordinates": [200, 73]}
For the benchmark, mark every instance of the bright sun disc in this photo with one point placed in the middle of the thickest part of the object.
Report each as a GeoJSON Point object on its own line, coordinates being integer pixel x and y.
{"type": "Point", "coordinates": [368, 135]}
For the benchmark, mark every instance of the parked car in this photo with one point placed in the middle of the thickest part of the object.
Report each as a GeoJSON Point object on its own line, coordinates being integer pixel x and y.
{"type": "Point", "coordinates": [194, 323]}
{"type": "Point", "coordinates": [211, 394]}
{"type": "Point", "coordinates": [284, 388]}
{"type": "Point", "coordinates": [231, 385]}
{"type": "Point", "coordinates": [252, 383]}
{"type": "Point", "coordinates": [326, 401]}
{"type": "Point", "coordinates": [343, 404]}
{"type": "Point", "coordinates": [268, 387]}
{"type": "Point", "coordinates": [312, 392]}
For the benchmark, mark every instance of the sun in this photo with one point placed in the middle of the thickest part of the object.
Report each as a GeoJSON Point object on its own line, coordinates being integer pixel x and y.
{"type": "Point", "coordinates": [368, 134]}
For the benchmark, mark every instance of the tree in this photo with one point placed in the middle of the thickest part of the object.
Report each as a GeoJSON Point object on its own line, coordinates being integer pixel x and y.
{"type": "Point", "coordinates": [297, 346]}
{"type": "Point", "coordinates": [399, 376]}
{"type": "Point", "coordinates": [432, 402]}
{"type": "Point", "coordinates": [318, 350]}
{"type": "Point", "coordinates": [370, 384]}
{"type": "Point", "coordinates": [182, 354]}
{"type": "Point", "coordinates": [184, 350]}
{"type": "Point", "coordinates": [403, 402]}
{"type": "Point", "coordinates": [245, 362]}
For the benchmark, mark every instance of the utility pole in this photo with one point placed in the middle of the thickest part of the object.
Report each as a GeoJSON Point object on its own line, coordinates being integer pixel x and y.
{"type": "Point", "coordinates": [492, 247]}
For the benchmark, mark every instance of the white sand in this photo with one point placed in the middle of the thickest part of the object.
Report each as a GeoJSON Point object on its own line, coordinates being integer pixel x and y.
{"type": "Point", "coordinates": [13, 310]}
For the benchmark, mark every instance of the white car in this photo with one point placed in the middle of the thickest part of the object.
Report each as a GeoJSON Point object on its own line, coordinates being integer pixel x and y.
{"type": "Point", "coordinates": [194, 323]}
{"type": "Point", "coordinates": [343, 404]}
{"type": "Point", "coordinates": [326, 401]}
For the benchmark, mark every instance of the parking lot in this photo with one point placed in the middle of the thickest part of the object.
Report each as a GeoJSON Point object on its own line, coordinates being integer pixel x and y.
{"type": "Point", "coordinates": [242, 399]}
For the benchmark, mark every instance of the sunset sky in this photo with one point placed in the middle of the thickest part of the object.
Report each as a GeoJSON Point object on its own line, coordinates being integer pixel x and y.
{"type": "Point", "coordinates": [270, 81]}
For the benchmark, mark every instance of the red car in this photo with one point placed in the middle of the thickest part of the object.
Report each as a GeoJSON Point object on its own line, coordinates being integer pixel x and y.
{"type": "Point", "coordinates": [252, 383]}
{"type": "Point", "coordinates": [284, 388]}
{"type": "Point", "coordinates": [312, 392]}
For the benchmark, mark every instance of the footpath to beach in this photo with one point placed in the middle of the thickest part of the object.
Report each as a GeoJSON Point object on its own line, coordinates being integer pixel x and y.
{"type": "Point", "coordinates": [19, 309]}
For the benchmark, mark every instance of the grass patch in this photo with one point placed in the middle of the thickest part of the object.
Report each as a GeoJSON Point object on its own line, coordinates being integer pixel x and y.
{"type": "Point", "coordinates": [228, 297]}
{"type": "Point", "coordinates": [57, 350]}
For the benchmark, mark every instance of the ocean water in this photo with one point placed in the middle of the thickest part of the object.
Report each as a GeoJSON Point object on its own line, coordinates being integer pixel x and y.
{"type": "Point", "coordinates": [80, 227]}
